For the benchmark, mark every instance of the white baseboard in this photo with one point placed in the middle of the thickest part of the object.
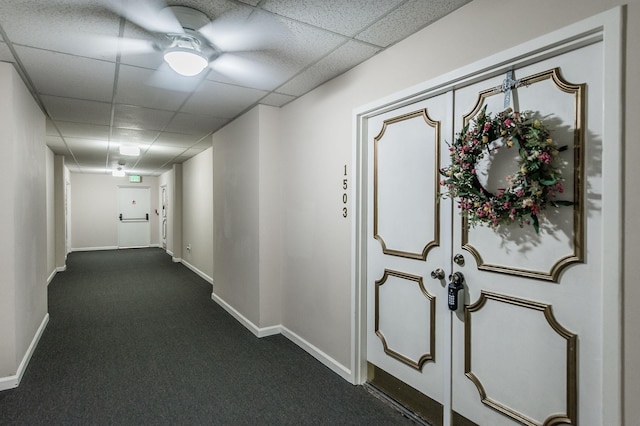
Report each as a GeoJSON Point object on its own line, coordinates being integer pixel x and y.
{"type": "Point", "coordinates": [55, 271]}
{"type": "Point", "coordinates": [315, 352]}
{"type": "Point", "coordinates": [197, 271]}
{"type": "Point", "coordinates": [14, 381]}
{"type": "Point", "coordinates": [257, 331]}
{"type": "Point", "coordinates": [94, 248]}
{"type": "Point", "coordinates": [325, 359]}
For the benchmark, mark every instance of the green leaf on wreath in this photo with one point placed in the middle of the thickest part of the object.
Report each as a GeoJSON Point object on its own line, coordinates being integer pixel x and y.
{"type": "Point", "coordinates": [535, 223]}
{"type": "Point", "coordinates": [548, 182]}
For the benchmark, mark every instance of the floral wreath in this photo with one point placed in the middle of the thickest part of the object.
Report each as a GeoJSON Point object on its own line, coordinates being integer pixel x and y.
{"type": "Point", "coordinates": [530, 190]}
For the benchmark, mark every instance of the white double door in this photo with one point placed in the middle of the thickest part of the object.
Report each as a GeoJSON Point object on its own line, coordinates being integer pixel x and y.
{"type": "Point", "coordinates": [527, 344]}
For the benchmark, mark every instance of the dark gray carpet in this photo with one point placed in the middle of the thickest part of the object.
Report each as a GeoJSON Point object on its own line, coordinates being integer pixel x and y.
{"type": "Point", "coordinates": [134, 339]}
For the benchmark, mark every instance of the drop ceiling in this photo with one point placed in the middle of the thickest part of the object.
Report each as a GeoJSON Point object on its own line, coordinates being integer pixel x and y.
{"type": "Point", "coordinates": [92, 68]}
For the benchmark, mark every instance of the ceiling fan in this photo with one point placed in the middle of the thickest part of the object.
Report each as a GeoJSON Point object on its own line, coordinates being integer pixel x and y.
{"type": "Point", "coordinates": [189, 52]}
{"type": "Point", "coordinates": [190, 42]}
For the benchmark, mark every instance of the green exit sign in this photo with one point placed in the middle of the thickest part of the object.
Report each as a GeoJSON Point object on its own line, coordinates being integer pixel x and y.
{"type": "Point", "coordinates": [135, 178]}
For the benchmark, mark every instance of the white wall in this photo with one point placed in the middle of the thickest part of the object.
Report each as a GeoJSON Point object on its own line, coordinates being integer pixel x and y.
{"type": "Point", "coordinates": [247, 220]}
{"type": "Point", "coordinates": [23, 242]}
{"type": "Point", "coordinates": [270, 219]}
{"type": "Point", "coordinates": [197, 214]}
{"type": "Point", "coordinates": [236, 211]}
{"type": "Point", "coordinates": [94, 209]}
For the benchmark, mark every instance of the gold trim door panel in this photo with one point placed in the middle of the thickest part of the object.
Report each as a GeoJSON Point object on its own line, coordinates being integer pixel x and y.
{"type": "Point", "coordinates": [406, 327]}
{"type": "Point", "coordinates": [527, 348]}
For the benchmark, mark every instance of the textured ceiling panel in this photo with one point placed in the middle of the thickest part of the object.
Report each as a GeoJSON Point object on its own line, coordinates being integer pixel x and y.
{"type": "Point", "coordinates": [139, 118]}
{"type": "Point", "coordinates": [60, 25]}
{"type": "Point", "coordinates": [407, 19]}
{"type": "Point", "coordinates": [134, 88]}
{"type": "Point", "coordinates": [176, 140]}
{"type": "Point", "coordinates": [221, 100]}
{"type": "Point", "coordinates": [195, 124]}
{"type": "Point", "coordinates": [140, 137]}
{"type": "Point", "coordinates": [83, 130]}
{"type": "Point", "coordinates": [97, 68]}
{"type": "Point", "coordinates": [277, 99]}
{"type": "Point", "coordinates": [346, 17]}
{"type": "Point", "coordinates": [5, 53]}
{"type": "Point", "coordinates": [334, 64]}
{"type": "Point", "coordinates": [68, 76]}
{"type": "Point", "coordinates": [68, 109]}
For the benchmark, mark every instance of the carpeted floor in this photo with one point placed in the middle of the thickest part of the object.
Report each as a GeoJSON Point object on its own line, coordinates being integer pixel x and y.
{"type": "Point", "coordinates": [134, 339]}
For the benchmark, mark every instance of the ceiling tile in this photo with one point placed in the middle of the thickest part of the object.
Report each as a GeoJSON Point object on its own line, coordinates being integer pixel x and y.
{"type": "Point", "coordinates": [342, 16]}
{"type": "Point", "coordinates": [83, 130]}
{"type": "Point", "coordinates": [139, 118]}
{"type": "Point", "coordinates": [60, 25]}
{"type": "Point", "coordinates": [57, 145]}
{"type": "Point", "coordinates": [5, 53]}
{"type": "Point", "coordinates": [85, 146]}
{"type": "Point", "coordinates": [158, 151]}
{"type": "Point", "coordinates": [339, 61]}
{"type": "Point", "coordinates": [67, 75]}
{"type": "Point", "coordinates": [135, 88]}
{"type": "Point", "coordinates": [195, 124]}
{"type": "Point", "coordinates": [78, 110]}
{"type": "Point", "coordinates": [140, 137]}
{"type": "Point", "coordinates": [177, 139]}
{"type": "Point", "coordinates": [221, 100]}
{"type": "Point", "coordinates": [407, 19]}
{"type": "Point", "coordinates": [277, 99]}
{"type": "Point", "coordinates": [137, 47]}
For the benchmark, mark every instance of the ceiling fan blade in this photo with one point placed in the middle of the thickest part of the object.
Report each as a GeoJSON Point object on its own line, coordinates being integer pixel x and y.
{"type": "Point", "coordinates": [109, 45]}
{"type": "Point", "coordinates": [257, 31]}
{"type": "Point", "coordinates": [152, 15]}
{"type": "Point", "coordinates": [244, 68]}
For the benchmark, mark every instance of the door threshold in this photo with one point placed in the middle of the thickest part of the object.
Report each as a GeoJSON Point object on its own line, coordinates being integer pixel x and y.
{"type": "Point", "coordinates": [380, 394]}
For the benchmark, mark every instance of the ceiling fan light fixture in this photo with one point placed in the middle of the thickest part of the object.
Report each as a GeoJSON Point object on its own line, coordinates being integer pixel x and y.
{"type": "Point", "coordinates": [185, 63]}
{"type": "Point", "coordinates": [184, 56]}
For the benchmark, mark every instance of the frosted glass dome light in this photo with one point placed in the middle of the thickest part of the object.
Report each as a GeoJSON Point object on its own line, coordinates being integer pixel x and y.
{"type": "Point", "coordinates": [186, 62]}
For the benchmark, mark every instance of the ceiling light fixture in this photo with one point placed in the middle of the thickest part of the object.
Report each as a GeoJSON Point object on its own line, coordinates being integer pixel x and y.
{"type": "Point", "coordinates": [118, 172]}
{"type": "Point", "coordinates": [131, 150]}
{"type": "Point", "coordinates": [184, 55]}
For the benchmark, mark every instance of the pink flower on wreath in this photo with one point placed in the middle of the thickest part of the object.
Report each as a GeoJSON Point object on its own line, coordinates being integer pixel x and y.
{"type": "Point", "coordinates": [487, 126]}
{"type": "Point", "coordinates": [545, 157]}
{"type": "Point", "coordinates": [508, 123]}
{"type": "Point", "coordinates": [559, 187]}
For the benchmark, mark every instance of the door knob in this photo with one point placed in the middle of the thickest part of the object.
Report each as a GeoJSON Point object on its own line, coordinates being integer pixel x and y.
{"type": "Point", "coordinates": [437, 274]}
{"type": "Point", "coordinates": [458, 259]}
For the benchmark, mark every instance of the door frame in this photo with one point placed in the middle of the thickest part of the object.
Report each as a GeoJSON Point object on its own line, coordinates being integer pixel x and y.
{"type": "Point", "coordinates": [606, 27]}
